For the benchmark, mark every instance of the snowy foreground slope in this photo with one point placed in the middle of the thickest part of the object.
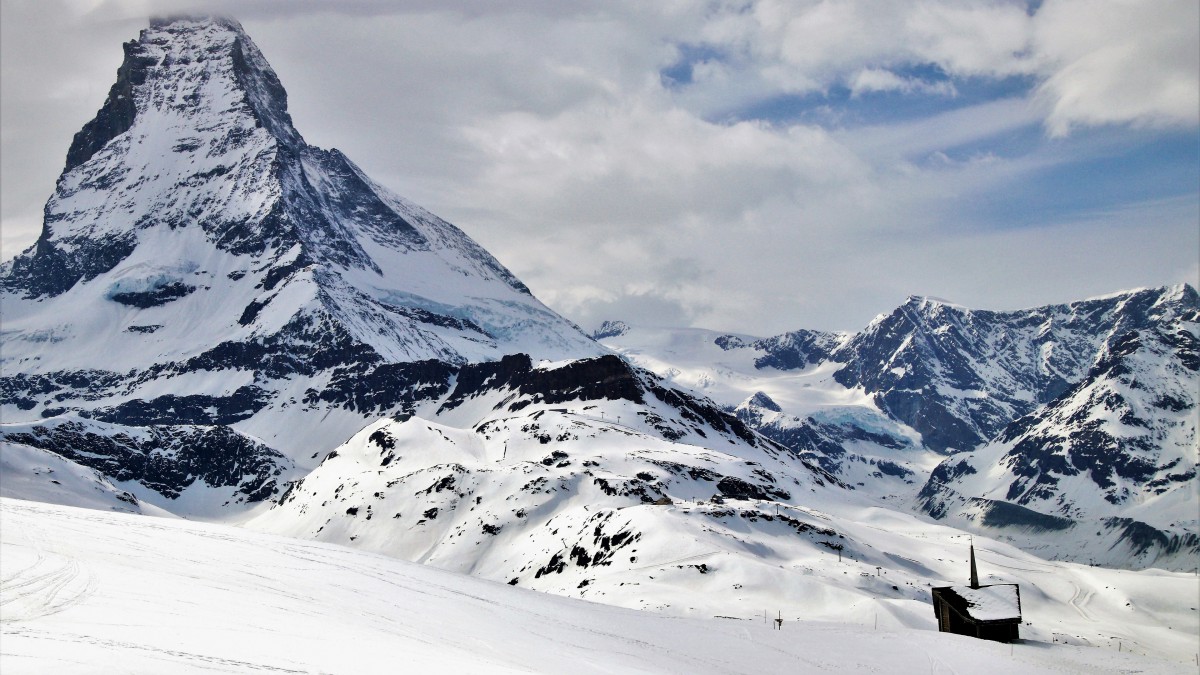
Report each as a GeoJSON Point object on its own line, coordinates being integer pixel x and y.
{"type": "Point", "coordinates": [39, 475]}
{"type": "Point", "coordinates": [88, 591]}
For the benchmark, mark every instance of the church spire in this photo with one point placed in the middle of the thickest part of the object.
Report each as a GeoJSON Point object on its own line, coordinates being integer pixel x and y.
{"type": "Point", "coordinates": [974, 572]}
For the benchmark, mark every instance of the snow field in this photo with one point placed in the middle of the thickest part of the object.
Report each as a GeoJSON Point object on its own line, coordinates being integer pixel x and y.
{"type": "Point", "coordinates": [87, 590]}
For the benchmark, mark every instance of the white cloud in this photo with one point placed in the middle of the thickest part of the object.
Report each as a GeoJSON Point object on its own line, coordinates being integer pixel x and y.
{"type": "Point", "coordinates": [1119, 61]}
{"type": "Point", "coordinates": [1096, 62]}
{"type": "Point", "coordinates": [809, 46]}
{"type": "Point", "coordinates": [871, 80]}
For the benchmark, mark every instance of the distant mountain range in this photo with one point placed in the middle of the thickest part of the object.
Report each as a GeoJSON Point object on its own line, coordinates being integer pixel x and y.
{"type": "Point", "coordinates": [1069, 429]}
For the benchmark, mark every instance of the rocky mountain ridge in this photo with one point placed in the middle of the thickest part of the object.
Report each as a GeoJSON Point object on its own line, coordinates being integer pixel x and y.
{"type": "Point", "coordinates": [1049, 394]}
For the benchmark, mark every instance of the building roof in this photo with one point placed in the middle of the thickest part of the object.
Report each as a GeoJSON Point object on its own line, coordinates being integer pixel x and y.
{"type": "Point", "coordinates": [998, 602]}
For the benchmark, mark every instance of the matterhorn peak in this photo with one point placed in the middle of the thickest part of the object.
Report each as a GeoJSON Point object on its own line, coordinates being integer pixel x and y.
{"type": "Point", "coordinates": [192, 211]}
{"type": "Point", "coordinates": [187, 64]}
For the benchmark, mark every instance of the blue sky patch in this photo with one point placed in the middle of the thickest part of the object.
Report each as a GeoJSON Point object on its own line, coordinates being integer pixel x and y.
{"type": "Point", "coordinates": [1094, 171]}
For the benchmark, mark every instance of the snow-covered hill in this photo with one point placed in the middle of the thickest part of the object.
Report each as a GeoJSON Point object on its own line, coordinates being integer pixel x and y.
{"type": "Point", "coordinates": [87, 590]}
{"type": "Point", "coordinates": [542, 488]}
{"type": "Point", "coordinates": [43, 476]}
{"type": "Point", "coordinates": [189, 469]}
{"type": "Point", "coordinates": [784, 387]}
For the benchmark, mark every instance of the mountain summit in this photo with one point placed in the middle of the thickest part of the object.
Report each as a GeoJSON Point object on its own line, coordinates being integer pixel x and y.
{"type": "Point", "coordinates": [191, 194]}
{"type": "Point", "coordinates": [200, 266]}
{"type": "Point", "coordinates": [212, 301]}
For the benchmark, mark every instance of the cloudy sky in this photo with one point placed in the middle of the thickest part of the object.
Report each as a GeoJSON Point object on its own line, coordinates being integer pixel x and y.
{"type": "Point", "coordinates": [746, 165]}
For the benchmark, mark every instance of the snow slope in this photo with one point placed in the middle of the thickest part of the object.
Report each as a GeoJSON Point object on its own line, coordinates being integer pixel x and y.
{"type": "Point", "coordinates": [86, 591]}
{"type": "Point", "coordinates": [784, 387]}
{"type": "Point", "coordinates": [39, 475]}
{"type": "Point", "coordinates": [584, 516]}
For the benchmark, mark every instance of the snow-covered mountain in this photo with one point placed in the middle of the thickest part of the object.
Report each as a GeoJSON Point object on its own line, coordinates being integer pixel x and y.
{"type": "Point", "coordinates": [784, 387]}
{"type": "Point", "coordinates": [1104, 389]}
{"type": "Point", "coordinates": [222, 322]}
{"type": "Point", "coordinates": [530, 481]}
{"type": "Point", "coordinates": [959, 376]}
{"type": "Point", "coordinates": [1105, 471]}
{"type": "Point", "coordinates": [201, 265]}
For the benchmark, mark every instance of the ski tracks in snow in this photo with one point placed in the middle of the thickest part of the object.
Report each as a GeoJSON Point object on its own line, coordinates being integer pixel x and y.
{"type": "Point", "coordinates": [50, 584]}
{"type": "Point", "coordinates": [938, 667]}
{"type": "Point", "coordinates": [1081, 598]}
{"type": "Point", "coordinates": [168, 659]}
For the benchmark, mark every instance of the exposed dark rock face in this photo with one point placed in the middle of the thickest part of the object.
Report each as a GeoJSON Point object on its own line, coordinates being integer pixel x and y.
{"type": "Point", "coordinates": [961, 376]}
{"type": "Point", "coordinates": [27, 391]}
{"type": "Point", "coordinates": [192, 409]}
{"type": "Point", "coordinates": [610, 329]}
{"type": "Point", "coordinates": [824, 443]}
{"type": "Point", "coordinates": [731, 487]}
{"type": "Point", "coordinates": [166, 458]}
{"type": "Point", "coordinates": [1075, 434]}
{"type": "Point", "coordinates": [941, 478]}
{"type": "Point", "coordinates": [1142, 538]}
{"type": "Point", "coordinates": [761, 400]}
{"type": "Point", "coordinates": [796, 350]}
{"type": "Point", "coordinates": [116, 117]}
{"type": "Point", "coordinates": [386, 387]}
{"type": "Point", "coordinates": [49, 270]}
{"type": "Point", "coordinates": [602, 378]}
{"type": "Point", "coordinates": [729, 342]}
{"type": "Point", "coordinates": [153, 298]}
{"type": "Point", "coordinates": [1006, 515]}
